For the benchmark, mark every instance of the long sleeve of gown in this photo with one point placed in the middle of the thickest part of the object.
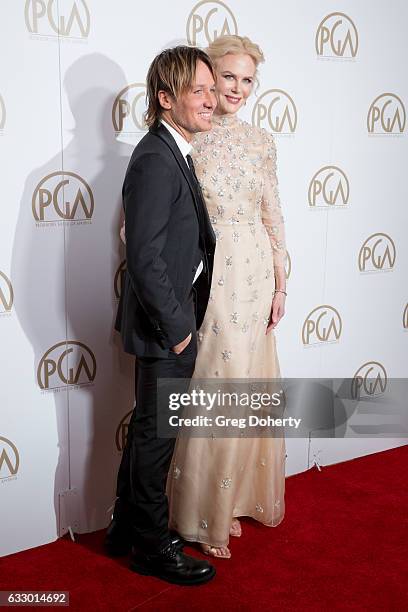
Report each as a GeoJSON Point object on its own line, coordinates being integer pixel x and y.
{"type": "Point", "coordinates": [270, 206]}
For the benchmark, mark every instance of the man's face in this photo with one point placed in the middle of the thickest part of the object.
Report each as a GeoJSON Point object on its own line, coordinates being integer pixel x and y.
{"type": "Point", "coordinates": [192, 111]}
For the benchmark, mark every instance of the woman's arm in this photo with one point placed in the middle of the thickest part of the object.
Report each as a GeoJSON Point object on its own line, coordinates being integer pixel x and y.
{"type": "Point", "coordinates": [274, 224]}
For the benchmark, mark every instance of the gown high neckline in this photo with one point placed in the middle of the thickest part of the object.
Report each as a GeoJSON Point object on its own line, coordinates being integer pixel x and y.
{"type": "Point", "coordinates": [227, 120]}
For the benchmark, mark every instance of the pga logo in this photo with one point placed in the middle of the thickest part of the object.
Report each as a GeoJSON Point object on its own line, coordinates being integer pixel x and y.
{"type": "Point", "coordinates": [369, 380]}
{"type": "Point", "coordinates": [122, 432]}
{"type": "Point", "coordinates": [336, 36]}
{"type": "Point", "coordinates": [322, 324]}
{"type": "Point", "coordinates": [9, 459]}
{"type": "Point", "coordinates": [6, 294]}
{"type": "Point", "coordinates": [378, 253]}
{"type": "Point", "coordinates": [276, 111]}
{"type": "Point", "coordinates": [329, 187]}
{"type": "Point", "coordinates": [67, 18]}
{"type": "Point", "coordinates": [208, 20]}
{"type": "Point", "coordinates": [386, 115]}
{"type": "Point", "coordinates": [66, 363]}
{"type": "Point", "coordinates": [62, 196]}
{"type": "Point", "coordinates": [128, 110]}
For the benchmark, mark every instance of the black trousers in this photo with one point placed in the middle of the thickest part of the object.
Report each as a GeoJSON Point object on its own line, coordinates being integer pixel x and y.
{"type": "Point", "coordinates": [141, 488]}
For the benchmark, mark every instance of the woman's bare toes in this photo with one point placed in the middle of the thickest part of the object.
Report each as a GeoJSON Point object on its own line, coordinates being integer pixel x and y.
{"type": "Point", "coordinates": [236, 529]}
{"type": "Point", "coordinates": [223, 552]}
{"type": "Point", "coordinates": [220, 552]}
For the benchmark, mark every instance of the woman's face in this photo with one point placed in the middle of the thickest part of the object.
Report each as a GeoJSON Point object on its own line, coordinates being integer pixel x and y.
{"type": "Point", "coordinates": [235, 79]}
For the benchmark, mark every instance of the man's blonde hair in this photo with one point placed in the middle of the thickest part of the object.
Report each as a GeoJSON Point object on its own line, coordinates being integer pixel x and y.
{"type": "Point", "coordinates": [172, 71]}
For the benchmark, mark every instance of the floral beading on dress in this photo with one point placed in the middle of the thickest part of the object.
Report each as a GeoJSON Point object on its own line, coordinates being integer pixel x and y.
{"type": "Point", "coordinates": [236, 166]}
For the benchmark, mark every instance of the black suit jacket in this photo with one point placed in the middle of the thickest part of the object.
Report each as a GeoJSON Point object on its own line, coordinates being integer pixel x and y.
{"type": "Point", "coordinates": [168, 233]}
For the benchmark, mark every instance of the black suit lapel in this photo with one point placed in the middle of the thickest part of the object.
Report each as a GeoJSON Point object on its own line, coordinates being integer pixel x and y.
{"type": "Point", "coordinates": [164, 134]}
{"type": "Point", "coordinates": [199, 204]}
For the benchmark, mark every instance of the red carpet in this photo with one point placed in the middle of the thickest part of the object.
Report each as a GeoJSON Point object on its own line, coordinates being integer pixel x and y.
{"type": "Point", "coordinates": [342, 545]}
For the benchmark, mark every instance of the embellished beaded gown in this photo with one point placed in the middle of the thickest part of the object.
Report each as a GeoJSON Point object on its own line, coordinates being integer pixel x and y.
{"type": "Point", "coordinates": [211, 480]}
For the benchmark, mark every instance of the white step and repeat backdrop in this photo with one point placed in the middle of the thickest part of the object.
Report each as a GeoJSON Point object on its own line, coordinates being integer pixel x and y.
{"type": "Point", "coordinates": [334, 93]}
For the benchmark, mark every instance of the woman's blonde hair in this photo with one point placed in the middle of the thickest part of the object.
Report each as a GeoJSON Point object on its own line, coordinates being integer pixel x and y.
{"type": "Point", "coordinates": [236, 45]}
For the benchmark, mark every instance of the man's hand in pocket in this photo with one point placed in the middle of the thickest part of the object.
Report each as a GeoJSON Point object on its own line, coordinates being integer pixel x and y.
{"type": "Point", "coordinates": [179, 348]}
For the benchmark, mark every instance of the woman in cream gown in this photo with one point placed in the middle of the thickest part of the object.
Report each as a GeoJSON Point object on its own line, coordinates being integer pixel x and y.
{"type": "Point", "coordinates": [214, 480]}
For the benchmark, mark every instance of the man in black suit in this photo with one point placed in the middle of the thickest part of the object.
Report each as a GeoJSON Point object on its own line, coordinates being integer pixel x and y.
{"type": "Point", "coordinates": [170, 247]}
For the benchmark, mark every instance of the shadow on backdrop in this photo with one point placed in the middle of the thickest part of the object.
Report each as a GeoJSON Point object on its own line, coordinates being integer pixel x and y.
{"type": "Point", "coordinates": [63, 276]}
